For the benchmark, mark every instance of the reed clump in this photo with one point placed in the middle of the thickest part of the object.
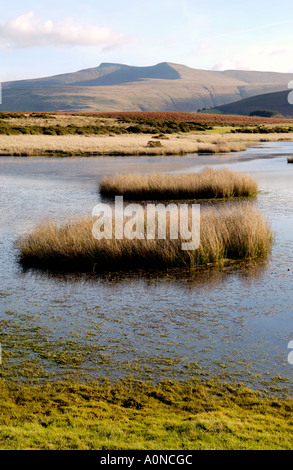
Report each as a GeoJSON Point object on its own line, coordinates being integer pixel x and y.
{"type": "Point", "coordinates": [208, 184]}
{"type": "Point", "coordinates": [234, 232]}
{"type": "Point", "coordinates": [290, 159]}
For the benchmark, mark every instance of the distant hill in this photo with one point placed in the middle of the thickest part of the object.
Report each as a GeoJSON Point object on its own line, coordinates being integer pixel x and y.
{"type": "Point", "coordinates": [269, 101]}
{"type": "Point", "coordinates": [118, 87]}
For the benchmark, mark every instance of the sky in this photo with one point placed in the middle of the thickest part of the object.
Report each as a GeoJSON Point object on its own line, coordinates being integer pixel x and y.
{"type": "Point", "coordinates": [57, 36]}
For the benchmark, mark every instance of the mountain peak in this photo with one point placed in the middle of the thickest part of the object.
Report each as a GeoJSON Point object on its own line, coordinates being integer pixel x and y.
{"type": "Point", "coordinates": [165, 86]}
{"type": "Point", "coordinates": [109, 74]}
{"type": "Point", "coordinates": [110, 64]}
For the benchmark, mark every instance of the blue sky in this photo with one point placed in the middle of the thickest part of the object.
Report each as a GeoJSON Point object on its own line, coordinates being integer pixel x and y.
{"type": "Point", "coordinates": [57, 36]}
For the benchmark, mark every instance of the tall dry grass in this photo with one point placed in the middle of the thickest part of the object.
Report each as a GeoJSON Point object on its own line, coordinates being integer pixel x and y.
{"type": "Point", "coordinates": [207, 184]}
{"type": "Point", "coordinates": [234, 232]}
{"type": "Point", "coordinates": [130, 145]}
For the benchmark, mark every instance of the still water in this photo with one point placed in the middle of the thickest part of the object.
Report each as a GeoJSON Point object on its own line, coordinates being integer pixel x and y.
{"type": "Point", "coordinates": [235, 323]}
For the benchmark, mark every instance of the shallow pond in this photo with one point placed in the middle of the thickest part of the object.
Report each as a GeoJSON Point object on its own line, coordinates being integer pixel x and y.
{"type": "Point", "coordinates": [235, 322]}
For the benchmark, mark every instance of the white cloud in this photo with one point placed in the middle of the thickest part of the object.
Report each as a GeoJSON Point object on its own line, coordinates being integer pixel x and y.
{"type": "Point", "coordinates": [264, 58]}
{"type": "Point", "coordinates": [230, 64]}
{"type": "Point", "coordinates": [27, 30]}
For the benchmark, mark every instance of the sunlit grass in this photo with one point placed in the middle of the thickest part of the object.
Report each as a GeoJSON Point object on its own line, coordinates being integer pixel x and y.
{"type": "Point", "coordinates": [235, 232]}
{"type": "Point", "coordinates": [139, 415]}
{"type": "Point", "coordinates": [121, 145]}
{"type": "Point", "coordinates": [207, 184]}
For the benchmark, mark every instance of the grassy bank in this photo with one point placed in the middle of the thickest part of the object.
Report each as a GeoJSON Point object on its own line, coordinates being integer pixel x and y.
{"type": "Point", "coordinates": [133, 134]}
{"type": "Point", "coordinates": [138, 415]}
{"type": "Point", "coordinates": [227, 233]}
{"type": "Point", "coordinates": [112, 145]}
{"type": "Point", "coordinates": [51, 125]}
{"type": "Point", "coordinates": [130, 145]}
{"type": "Point", "coordinates": [208, 184]}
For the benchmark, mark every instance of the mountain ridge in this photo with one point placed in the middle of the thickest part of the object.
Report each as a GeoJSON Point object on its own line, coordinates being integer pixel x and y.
{"type": "Point", "coordinates": [120, 87]}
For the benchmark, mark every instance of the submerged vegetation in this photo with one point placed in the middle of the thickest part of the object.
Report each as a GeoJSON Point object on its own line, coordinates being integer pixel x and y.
{"type": "Point", "coordinates": [140, 415]}
{"type": "Point", "coordinates": [233, 232]}
{"type": "Point", "coordinates": [208, 184]}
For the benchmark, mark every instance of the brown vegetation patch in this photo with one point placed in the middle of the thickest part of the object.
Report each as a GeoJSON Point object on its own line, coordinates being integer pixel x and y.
{"type": "Point", "coordinates": [174, 116]}
{"type": "Point", "coordinates": [230, 233]}
{"type": "Point", "coordinates": [208, 184]}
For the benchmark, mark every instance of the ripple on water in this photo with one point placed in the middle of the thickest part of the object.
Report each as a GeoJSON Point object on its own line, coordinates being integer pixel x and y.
{"type": "Point", "coordinates": [234, 322]}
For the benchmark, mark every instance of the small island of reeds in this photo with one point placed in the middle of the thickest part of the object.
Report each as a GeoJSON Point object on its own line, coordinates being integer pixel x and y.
{"type": "Point", "coordinates": [227, 233]}
{"type": "Point", "coordinates": [208, 184]}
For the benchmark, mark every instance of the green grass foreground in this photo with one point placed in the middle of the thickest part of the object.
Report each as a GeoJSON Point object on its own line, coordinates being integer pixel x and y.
{"type": "Point", "coordinates": [141, 416]}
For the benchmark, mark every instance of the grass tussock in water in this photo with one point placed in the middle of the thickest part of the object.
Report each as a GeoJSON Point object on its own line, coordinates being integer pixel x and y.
{"type": "Point", "coordinates": [142, 416]}
{"type": "Point", "coordinates": [233, 232]}
{"type": "Point", "coordinates": [208, 184]}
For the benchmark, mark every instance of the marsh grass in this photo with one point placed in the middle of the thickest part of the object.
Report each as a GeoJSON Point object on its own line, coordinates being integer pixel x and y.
{"type": "Point", "coordinates": [115, 145]}
{"type": "Point", "coordinates": [236, 232]}
{"type": "Point", "coordinates": [93, 134]}
{"type": "Point", "coordinates": [140, 415]}
{"type": "Point", "coordinates": [208, 184]}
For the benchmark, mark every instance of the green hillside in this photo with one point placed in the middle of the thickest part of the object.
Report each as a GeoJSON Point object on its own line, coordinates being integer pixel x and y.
{"type": "Point", "coordinates": [277, 102]}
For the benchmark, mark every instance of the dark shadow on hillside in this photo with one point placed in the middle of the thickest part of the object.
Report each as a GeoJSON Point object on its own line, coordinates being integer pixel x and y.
{"type": "Point", "coordinates": [126, 74]}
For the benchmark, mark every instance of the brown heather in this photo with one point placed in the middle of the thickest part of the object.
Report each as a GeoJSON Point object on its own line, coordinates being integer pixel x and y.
{"type": "Point", "coordinates": [208, 184]}
{"type": "Point", "coordinates": [170, 116]}
{"type": "Point", "coordinates": [196, 117]}
{"type": "Point", "coordinates": [234, 232]}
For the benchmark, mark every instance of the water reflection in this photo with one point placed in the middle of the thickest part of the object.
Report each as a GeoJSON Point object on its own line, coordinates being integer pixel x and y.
{"type": "Point", "coordinates": [249, 271]}
{"type": "Point", "coordinates": [148, 324]}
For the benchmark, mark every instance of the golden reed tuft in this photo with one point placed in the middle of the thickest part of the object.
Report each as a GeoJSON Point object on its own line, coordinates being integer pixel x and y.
{"type": "Point", "coordinates": [208, 184]}
{"type": "Point", "coordinates": [234, 232]}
